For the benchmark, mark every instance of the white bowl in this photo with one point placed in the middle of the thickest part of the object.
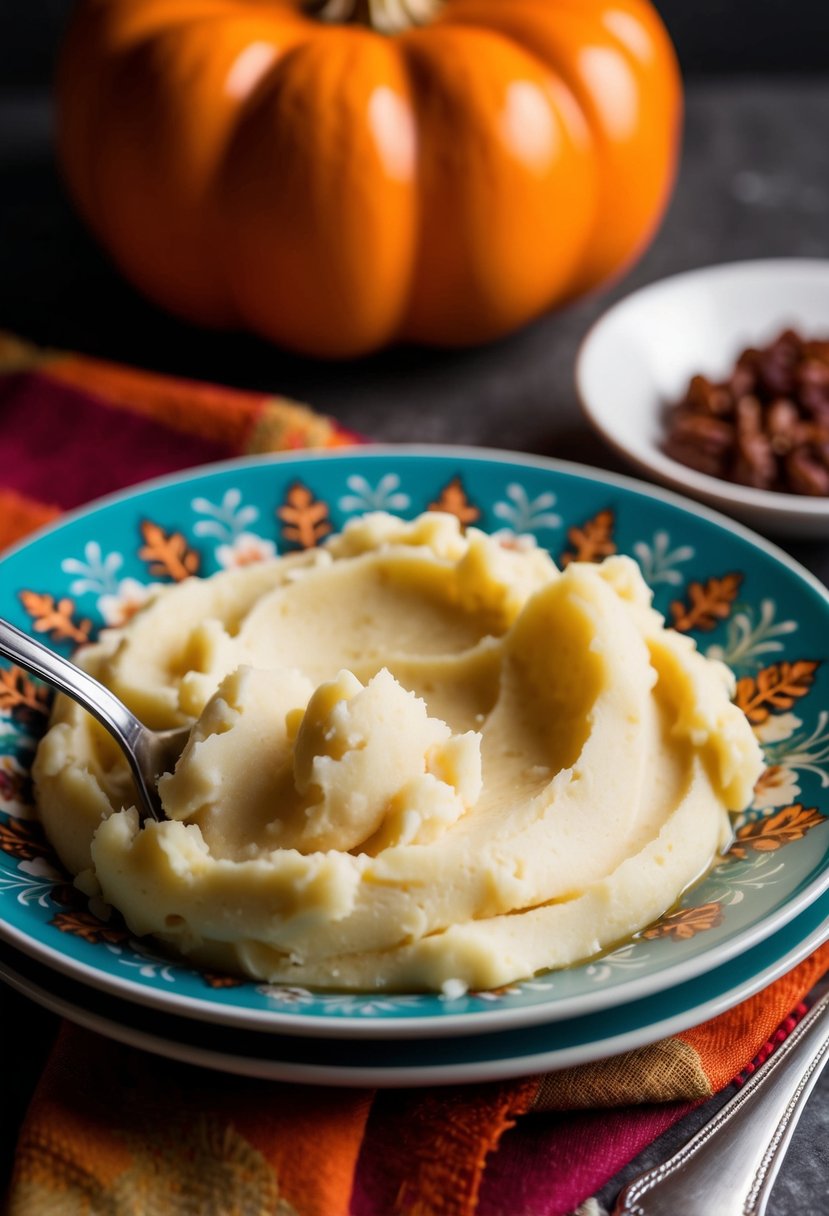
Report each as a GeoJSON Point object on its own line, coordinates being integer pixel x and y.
{"type": "Point", "coordinates": [642, 353]}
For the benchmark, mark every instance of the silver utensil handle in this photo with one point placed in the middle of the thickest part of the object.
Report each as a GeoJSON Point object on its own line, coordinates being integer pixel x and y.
{"type": "Point", "coordinates": [94, 697]}
{"type": "Point", "coordinates": [730, 1165]}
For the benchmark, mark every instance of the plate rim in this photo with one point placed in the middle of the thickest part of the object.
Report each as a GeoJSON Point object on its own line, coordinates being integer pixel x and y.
{"type": "Point", "coordinates": [419, 1075]}
{"type": "Point", "coordinates": [446, 1024]}
{"type": "Point", "coordinates": [624, 481]}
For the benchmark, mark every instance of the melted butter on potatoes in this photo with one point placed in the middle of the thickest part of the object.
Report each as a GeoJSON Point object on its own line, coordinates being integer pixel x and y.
{"type": "Point", "coordinates": [417, 756]}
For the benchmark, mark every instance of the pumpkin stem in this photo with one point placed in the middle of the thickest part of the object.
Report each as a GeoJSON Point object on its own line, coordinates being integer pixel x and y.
{"type": "Point", "coordinates": [384, 16]}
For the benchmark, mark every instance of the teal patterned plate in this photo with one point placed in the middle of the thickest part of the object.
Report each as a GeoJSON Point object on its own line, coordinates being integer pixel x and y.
{"type": "Point", "coordinates": [743, 600]}
{"type": "Point", "coordinates": [456, 1060]}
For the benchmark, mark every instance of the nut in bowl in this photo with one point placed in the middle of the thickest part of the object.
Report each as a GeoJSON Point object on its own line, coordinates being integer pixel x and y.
{"type": "Point", "coordinates": [663, 365]}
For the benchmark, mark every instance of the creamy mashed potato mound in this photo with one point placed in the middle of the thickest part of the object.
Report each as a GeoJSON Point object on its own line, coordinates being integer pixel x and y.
{"type": "Point", "coordinates": [418, 757]}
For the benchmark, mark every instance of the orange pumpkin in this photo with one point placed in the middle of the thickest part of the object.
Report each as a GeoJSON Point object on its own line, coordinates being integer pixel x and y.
{"type": "Point", "coordinates": [442, 177]}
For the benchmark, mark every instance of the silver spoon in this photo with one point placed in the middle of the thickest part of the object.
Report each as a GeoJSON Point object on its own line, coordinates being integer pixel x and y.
{"type": "Point", "coordinates": [149, 752]}
{"type": "Point", "coordinates": [728, 1168]}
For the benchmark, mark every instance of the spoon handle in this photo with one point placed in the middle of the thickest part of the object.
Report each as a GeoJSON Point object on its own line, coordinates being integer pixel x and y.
{"type": "Point", "coordinates": [130, 734]}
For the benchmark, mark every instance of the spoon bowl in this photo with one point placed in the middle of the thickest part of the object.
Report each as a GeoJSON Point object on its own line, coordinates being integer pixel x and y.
{"type": "Point", "coordinates": [149, 753]}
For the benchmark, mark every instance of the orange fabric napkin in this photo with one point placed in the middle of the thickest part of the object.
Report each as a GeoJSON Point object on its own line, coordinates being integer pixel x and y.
{"type": "Point", "coordinates": [113, 1130]}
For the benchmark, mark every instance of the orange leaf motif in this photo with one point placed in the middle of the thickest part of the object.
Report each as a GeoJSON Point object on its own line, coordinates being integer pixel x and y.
{"type": "Point", "coordinates": [167, 553]}
{"type": "Point", "coordinates": [215, 980]}
{"type": "Point", "coordinates": [24, 839]}
{"type": "Point", "coordinates": [55, 617]}
{"type": "Point", "coordinates": [305, 519]}
{"type": "Point", "coordinates": [769, 834]}
{"type": "Point", "coordinates": [771, 778]}
{"type": "Point", "coordinates": [15, 783]}
{"type": "Point", "coordinates": [774, 689]}
{"type": "Point", "coordinates": [709, 603]}
{"type": "Point", "coordinates": [87, 926]}
{"type": "Point", "coordinates": [687, 923]}
{"type": "Point", "coordinates": [454, 500]}
{"type": "Point", "coordinates": [592, 541]}
{"type": "Point", "coordinates": [17, 691]}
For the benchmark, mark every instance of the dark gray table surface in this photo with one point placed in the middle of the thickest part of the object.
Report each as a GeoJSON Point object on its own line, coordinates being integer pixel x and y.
{"type": "Point", "coordinates": [754, 183]}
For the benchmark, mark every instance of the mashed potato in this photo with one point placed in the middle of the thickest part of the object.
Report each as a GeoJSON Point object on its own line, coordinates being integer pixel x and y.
{"type": "Point", "coordinates": [417, 757]}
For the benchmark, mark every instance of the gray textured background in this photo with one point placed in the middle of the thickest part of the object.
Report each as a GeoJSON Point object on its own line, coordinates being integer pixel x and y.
{"type": "Point", "coordinates": [712, 36]}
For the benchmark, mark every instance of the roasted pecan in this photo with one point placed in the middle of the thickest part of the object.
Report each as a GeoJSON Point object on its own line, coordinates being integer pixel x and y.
{"type": "Point", "coordinates": [700, 394]}
{"type": "Point", "coordinates": [806, 475]}
{"type": "Point", "coordinates": [778, 366]}
{"type": "Point", "coordinates": [744, 378]}
{"type": "Point", "coordinates": [813, 386]}
{"type": "Point", "coordinates": [702, 442]}
{"type": "Point", "coordinates": [782, 423]}
{"type": "Point", "coordinates": [711, 434]}
{"type": "Point", "coordinates": [749, 415]}
{"type": "Point", "coordinates": [766, 425]}
{"type": "Point", "coordinates": [755, 464]}
{"type": "Point", "coordinates": [816, 348]}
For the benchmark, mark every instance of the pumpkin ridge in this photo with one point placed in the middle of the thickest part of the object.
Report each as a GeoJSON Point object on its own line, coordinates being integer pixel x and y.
{"type": "Point", "coordinates": [636, 176]}
{"type": "Point", "coordinates": [475, 279]}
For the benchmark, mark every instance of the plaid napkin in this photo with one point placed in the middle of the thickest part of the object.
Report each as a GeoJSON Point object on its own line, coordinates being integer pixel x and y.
{"type": "Point", "coordinates": [113, 1130]}
{"type": "Point", "coordinates": [74, 428]}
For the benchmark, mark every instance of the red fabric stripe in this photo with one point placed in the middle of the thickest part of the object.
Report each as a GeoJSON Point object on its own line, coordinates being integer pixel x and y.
{"type": "Point", "coordinates": [780, 1035]}
{"type": "Point", "coordinates": [64, 448]}
{"type": "Point", "coordinates": [551, 1163]}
